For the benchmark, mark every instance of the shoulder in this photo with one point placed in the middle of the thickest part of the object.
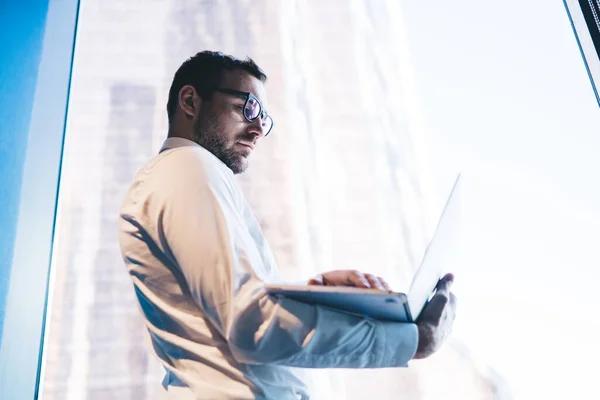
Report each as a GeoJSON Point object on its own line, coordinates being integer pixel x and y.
{"type": "Point", "coordinates": [181, 166]}
{"type": "Point", "coordinates": [189, 171]}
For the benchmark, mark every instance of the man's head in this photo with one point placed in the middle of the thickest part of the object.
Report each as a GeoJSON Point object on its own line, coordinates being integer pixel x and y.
{"type": "Point", "coordinates": [220, 103]}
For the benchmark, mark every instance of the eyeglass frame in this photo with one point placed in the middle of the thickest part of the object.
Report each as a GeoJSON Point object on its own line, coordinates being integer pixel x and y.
{"type": "Point", "coordinates": [249, 96]}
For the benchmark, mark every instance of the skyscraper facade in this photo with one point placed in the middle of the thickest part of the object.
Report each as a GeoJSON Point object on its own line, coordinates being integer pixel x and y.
{"type": "Point", "coordinates": [341, 183]}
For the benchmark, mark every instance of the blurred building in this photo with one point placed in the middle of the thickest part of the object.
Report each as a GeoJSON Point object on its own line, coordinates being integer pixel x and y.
{"type": "Point", "coordinates": [341, 183]}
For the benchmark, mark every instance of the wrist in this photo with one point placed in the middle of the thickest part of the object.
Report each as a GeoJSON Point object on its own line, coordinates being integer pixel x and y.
{"type": "Point", "coordinates": [425, 341]}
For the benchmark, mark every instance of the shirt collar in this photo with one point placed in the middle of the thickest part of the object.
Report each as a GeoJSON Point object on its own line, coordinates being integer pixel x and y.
{"type": "Point", "coordinates": [175, 142]}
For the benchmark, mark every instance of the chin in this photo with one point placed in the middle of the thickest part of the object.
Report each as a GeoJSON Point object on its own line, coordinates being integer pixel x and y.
{"type": "Point", "coordinates": [239, 166]}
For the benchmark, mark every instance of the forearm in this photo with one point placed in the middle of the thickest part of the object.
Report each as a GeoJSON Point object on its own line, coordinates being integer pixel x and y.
{"type": "Point", "coordinates": [287, 332]}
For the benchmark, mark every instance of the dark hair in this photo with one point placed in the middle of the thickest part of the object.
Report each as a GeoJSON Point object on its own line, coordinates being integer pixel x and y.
{"type": "Point", "coordinates": [204, 71]}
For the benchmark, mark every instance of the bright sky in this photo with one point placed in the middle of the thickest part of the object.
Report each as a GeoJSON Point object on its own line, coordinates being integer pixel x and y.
{"type": "Point", "coordinates": [508, 102]}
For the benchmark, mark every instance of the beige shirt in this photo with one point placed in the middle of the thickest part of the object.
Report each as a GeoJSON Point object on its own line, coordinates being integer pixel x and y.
{"type": "Point", "coordinates": [199, 261]}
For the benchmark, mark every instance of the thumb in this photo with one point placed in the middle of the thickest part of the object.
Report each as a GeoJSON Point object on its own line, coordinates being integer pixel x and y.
{"type": "Point", "coordinates": [434, 309]}
{"type": "Point", "coordinates": [443, 286]}
{"type": "Point", "coordinates": [316, 281]}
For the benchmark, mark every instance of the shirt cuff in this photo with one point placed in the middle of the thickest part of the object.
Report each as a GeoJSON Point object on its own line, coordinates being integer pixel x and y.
{"type": "Point", "coordinates": [400, 345]}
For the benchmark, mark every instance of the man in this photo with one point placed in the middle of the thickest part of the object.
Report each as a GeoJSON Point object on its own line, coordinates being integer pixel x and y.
{"type": "Point", "coordinates": [199, 260]}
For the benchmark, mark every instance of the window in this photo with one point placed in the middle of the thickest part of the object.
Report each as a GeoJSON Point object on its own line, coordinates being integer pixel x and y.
{"type": "Point", "coordinates": [585, 19]}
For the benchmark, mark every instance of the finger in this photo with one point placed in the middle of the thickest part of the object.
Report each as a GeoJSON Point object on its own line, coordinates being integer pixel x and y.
{"type": "Point", "coordinates": [444, 284]}
{"type": "Point", "coordinates": [358, 279]}
{"type": "Point", "coordinates": [449, 277]}
{"type": "Point", "coordinates": [452, 300]}
{"type": "Point", "coordinates": [317, 280]}
{"type": "Point", "coordinates": [381, 284]}
{"type": "Point", "coordinates": [434, 310]}
{"type": "Point", "coordinates": [374, 282]}
{"type": "Point", "coordinates": [385, 284]}
{"type": "Point", "coordinates": [438, 302]}
{"type": "Point", "coordinates": [441, 306]}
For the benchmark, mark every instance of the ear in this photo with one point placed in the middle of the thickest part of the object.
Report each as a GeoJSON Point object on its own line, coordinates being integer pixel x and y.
{"type": "Point", "coordinates": [189, 101]}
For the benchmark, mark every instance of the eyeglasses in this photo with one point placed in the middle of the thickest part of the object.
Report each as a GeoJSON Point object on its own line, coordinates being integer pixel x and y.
{"type": "Point", "coordinates": [252, 109]}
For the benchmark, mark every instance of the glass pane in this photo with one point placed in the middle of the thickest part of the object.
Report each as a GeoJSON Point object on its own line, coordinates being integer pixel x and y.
{"type": "Point", "coordinates": [343, 185]}
{"type": "Point", "coordinates": [252, 108]}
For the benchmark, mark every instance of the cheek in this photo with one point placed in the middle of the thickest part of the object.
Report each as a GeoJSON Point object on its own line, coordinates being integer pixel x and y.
{"type": "Point", "coordinates": [230, 130]}
{"type": "Point", "coordinates": [229, 126]}
{"type": "Point", "coordinates": [234, 121]}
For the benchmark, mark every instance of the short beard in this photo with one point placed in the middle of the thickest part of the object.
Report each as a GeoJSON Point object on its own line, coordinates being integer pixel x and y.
{"type": "Point", "coordinates": [207, 133]}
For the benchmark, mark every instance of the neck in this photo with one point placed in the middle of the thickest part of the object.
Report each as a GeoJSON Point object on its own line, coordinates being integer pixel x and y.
{"type": "Point", "coordinates": [176, 131]}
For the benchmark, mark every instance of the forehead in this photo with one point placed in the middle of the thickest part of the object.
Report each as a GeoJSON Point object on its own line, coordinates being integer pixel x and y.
{"type": "Point", "coordinates": [244, 82]}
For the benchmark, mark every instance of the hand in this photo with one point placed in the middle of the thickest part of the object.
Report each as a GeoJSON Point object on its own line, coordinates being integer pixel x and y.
{"type": "Point", "coordinates": [435, 321]}
{"type": "Point", "coordinates": [349, 278]}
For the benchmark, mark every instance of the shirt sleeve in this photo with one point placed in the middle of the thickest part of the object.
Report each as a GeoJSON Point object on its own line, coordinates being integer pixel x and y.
{"type": "Point", "coordinates": [203, 231]}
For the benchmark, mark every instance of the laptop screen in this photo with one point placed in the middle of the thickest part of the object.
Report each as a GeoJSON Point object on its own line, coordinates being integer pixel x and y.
{"type": "Point", "coordinates": [439, 255]}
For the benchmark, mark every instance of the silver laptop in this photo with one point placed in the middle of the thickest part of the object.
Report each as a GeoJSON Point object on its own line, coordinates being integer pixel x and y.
{"type": "Point", "coordinates": [391, 305]}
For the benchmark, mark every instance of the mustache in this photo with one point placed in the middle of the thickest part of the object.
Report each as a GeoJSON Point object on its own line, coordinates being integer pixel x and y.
{"type": "Point", "coordinates": [248, 137]}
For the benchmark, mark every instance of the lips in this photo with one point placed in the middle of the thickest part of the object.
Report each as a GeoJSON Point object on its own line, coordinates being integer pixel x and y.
{"type": "Point", "coordinates": [246, 144]}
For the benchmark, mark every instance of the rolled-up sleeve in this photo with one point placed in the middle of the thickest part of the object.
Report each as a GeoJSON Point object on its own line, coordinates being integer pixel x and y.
{"type": "Point", "coordinates": [203, 231]}
{"type": "Point", "coordinates": [287, 332]}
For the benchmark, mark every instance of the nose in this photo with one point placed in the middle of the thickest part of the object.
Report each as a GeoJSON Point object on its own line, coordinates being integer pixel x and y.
{"type": "Point", "coordinates": [257, 128]}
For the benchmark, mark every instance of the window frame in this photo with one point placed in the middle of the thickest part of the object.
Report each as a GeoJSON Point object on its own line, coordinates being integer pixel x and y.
{"type": "Point", "coordinates": [28, 275]}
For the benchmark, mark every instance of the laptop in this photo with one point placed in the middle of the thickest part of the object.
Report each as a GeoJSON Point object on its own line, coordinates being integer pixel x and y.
{"type": "Point", "coordinates": [389, 305]}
